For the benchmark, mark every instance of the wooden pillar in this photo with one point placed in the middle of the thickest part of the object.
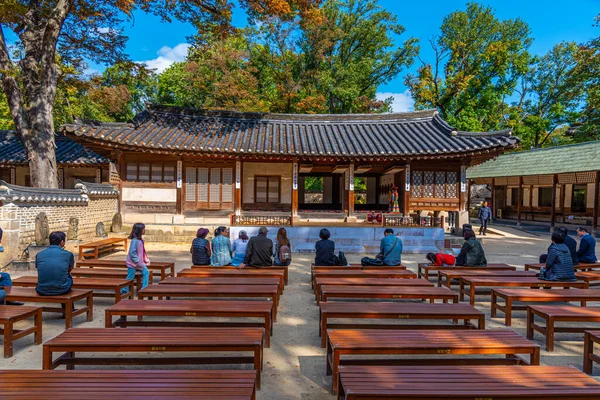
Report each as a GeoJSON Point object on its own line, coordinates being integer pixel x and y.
{"type": "Point", "coordinates": [407, 190]}
{"type": "Point", "coordinates": [351, 216]}
{"type": "Point", "coordinates": [295, 191]}
{"type": "Point", "coordinates": [179, 186]}
{"type": "Point", "coordinates": [238, 187]}
{"type": "Point", "coordinates": [122, 177]}
{"type": "Point", "coordinates": [463, 188]}
{"type": "Point", "coordinates": [469, 195]}
{"type": "Point", "coordinates": [520, 201]}
{"type": "Point", "coordinates": [493, 197]}
{"type": "Point", "coordinates": [596, 202]}
{"type": "Point", "coordinates": [553, 211]}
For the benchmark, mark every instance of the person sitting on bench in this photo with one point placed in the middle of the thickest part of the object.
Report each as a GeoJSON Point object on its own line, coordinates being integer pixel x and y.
{"type": "Point", "coordinates": [471, 253]}
{"type": "Point", "coordinates": [5, 281]}
{"type": "Point", "coordinates": [137, 259]}
{"type": "Point", "coordinates": [559, 265]}
{"type": "Point", "coordinates": [569, 242]}
{"type": "Point", "coordinates": [325, 249]}
{"type": "Point", "coordinates": [441, 259]}
{"type": "Point", "coordinates": [260, 251]}
{"type": "Point", "coordinates": [587, 247]}
{"type": "Point", "coordinates": [54, 266]}
{"type": "Point", "coordinates": [390, 251]}
{"type": "Point", "coordinates": [201, 248]}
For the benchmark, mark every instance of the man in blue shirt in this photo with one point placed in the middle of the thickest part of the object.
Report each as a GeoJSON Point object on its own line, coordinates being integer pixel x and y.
{"type": "Point", "coordinates": [587, 247]}
{"type": "Point", "coordinates": [390, 249]}
{"type": "Point", "coordinates": [485, 216]}
{"type": "Point", "coordinates": [54, 266]}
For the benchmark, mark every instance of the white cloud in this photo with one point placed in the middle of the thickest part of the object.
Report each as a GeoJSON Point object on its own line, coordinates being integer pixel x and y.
{"type": "Point", "coordinates": [167, 56]}
{"type": "Point", "coordinates": [402, 101]}
{"type": "Point", "coordinates": [104, 30]}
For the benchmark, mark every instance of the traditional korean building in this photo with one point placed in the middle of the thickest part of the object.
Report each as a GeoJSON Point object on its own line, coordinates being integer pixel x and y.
{"type": "Point", "coordinates": [173, 164]}
{"type": "Point", "coordinates": [552, 185]}
{"type": "Point", "coordinates": [75, 161]}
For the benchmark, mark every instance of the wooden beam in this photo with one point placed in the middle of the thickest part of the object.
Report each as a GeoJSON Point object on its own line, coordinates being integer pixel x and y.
{"type": "Point", "coordinates": [596, 201]}
{"type": "Point", "coordinates": [294, 190]}
{"type": "Point", "coordinates": [122, 176]}
{"type": "Point", "coordinates": [407, 190]}
{"type": "Point", "coordinates": [553, 211]}
{"type": "Point", "coordinates": [520, 201]}
{"type": "Point", "coordinates": [493, 197]}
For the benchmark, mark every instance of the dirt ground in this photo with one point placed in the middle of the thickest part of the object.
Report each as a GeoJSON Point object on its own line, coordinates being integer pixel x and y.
{"type": "Point", "coordinates": [295, 363]}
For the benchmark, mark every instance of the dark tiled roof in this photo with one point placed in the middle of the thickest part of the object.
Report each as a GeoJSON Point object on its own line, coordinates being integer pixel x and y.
{"type": "Point", "coordinates": [21, 194]}
{"type": "Point", "coordinates": [68, 151]}
{"type": "Point", "coordinates": [175, 129]}
{"type": "Point", "coordinates": [96, 189]}
{"type": "Point", "coordinates": [580, 157]}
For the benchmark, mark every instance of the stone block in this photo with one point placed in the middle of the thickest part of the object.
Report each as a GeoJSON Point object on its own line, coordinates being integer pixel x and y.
{"type": "Point", "coordinates": [163, 219]}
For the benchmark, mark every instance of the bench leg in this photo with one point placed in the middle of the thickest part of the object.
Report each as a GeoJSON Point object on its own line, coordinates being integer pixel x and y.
{"type": "Point", "coordinates": [47, 359]}
{"type": "Point", "coordinates": [472, 295]}
{"type": "Point", "coordinates": [8, 339]}
{"type": "Point", "coordinates": [90, 308]}
{"type": "Point", "coordinates": [257, 366]}
{"type": "Point", "coordinates": [529, 326]}
{"type": "Point", "coordinates": [461, 290]}
{"type": "Point", "coordinates": [508, 313]}
{"type": "Point", "coordinates": [323, 331]}
{"type": "Point", "coordinates": [588, 350]}
{"type": "Point", "coordinates": [70, 354]}
{"type": "Point", "coordinates": [493, 301]}
{"type": "Point", "coordinates": [37, 336]}
{"type": "Point", "coordinates": [550, 334]}
{"type": "Point", "coordinates": [334, 370]}
{"type": "Point", "coordinates": [69, 314]}
{"type": "Point", "coordinates": [535, 357]}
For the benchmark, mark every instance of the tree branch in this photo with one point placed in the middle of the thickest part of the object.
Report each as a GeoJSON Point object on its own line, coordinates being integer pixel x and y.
{"type": "Point", "coordinates": [11, 86]}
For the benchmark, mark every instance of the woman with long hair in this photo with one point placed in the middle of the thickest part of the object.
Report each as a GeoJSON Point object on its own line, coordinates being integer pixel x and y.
{"type": "Point", "coordinates": [221, 248]}
{"type": "Point", "coordinates": [200, 249]}
{"type": "Point", "coordinates": [137, 259]}
{"type": "Point", "coordinates": [282, 253]}
{"type": "Point", "coordinates": [238, 248]}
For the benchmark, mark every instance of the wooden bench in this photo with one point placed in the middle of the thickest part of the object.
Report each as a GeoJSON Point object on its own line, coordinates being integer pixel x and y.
{"type": "Point", "coordinates": [199, 291]}
{"type": "Point", "coordinates": [231, 273]}
{"type": "Point", "coordinates": [319, 282]}
{"type": "Point", "coordinates": [165, 269]}
{"type": "Point", "coordinates": [281, 268]}
{"type": "Point", "coordinates": [510, 296]}
{"type": "Point", "coordinates": [465, 382]}
{"type": "Point", "coordinates": [424, 269]}
{"type": "Point", "coordinates": [579, 267]}
{"type": "Point", "coordinates": [67, 302]}
{"type": "Point", "coordinates": [426, 311]}
{"type": "Point", "coordinates": [9, 315]}
{"type": "Point", "coordinates": [112, 285]}
{"type": "Point", "coordinates": [94, 249]}
{"type": "Point", "coordinates": [446, 277]}
{"type": "Point", "coordinates": [473, 282]}
{"type": "Point", "coordinates": [192, 308]}
{"type": "Point", "coordinates": [388, 292]}
{"type": "Point", "coordinates": [392, 274]}
{"type": "Point", "coordinates": [591, 277]}
{"type": "Point", "coordinates": [155, 340]}
{"type": "Point", "coordinates": [346, 342]}
{"type": "Point", "coordinates": [314, 268]}
{"type": "Point", "coordinates": [552, 314]}
{"type": "Point", "coordinates": [590, 338]}
{"type": "Point", "coordinates": [210, 280]}
{"type": "Point", "coordinates": [107, 273]}
{"type": "Point", "coordinates": [127, 384]}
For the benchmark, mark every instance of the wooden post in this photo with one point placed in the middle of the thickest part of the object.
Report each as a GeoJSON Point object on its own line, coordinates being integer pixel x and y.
{"type": "Point", "coordinates": [553, 211]}
{"type": "Point", "coordinates": [351, 193]}
{"type": "Point", "coordinates": [493, 197]}
{"type": "Point", "coordinates": [294, 191]}
{"type": "Point", "coordinates": [179, 186]}
{"type": "Point", "coordinates": [520, 201]}
{"type": "Point", "coordinates": [469, 195]}
{"type": "Point", "coordinates": [407, 189]}
{"type": "Point", "coordinates": [238, 187]}
{"type": "Point", "coordinates": [122, 176]}
{"type": "Point", "coordinates": [596, 202]}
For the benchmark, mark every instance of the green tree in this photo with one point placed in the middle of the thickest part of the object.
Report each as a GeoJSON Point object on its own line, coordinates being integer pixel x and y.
{"type": "Point", "coordinates": [478, 62]}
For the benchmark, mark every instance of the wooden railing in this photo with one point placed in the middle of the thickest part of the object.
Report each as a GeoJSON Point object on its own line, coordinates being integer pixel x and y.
{"type": "Point", "coordinates": [413, 221]}
{"type": "Point", "coordinates": [261, 220]}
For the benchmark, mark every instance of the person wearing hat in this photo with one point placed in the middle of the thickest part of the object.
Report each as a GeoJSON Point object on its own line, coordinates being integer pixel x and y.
{"type": "Point", "coordinates": [239, 247]}
{"type": "Point", "coordinates": [201, 248]}
{"type": "Point", "coordinates": [260, 251]}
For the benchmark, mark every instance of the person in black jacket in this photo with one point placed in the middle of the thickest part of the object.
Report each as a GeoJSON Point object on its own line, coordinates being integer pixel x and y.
{"type": "Point", "coordinates": [325, 249]}
{"type": "Point", "coordinates": [260, 251]}
{"type": "Point", "coordinates": [569, 242]}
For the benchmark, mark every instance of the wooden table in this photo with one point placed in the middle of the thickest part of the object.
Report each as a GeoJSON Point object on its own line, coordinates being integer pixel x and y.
{"type": "Point", "coordinates": [579, 267]}
{"type": "Point", "coordinates": [388, 292]}
{"type": "Point", "coordinates": [281, 268]}
{"type": "Point", "coordinates": [345, 342]}
{"type": "Point", "coordinates": [424, 269]}
{"type": "Point", "coordinates": [232, 273]}
{"type": "Point", "coordinates": [199, 291]}
{"type": "Point", "coordinates": [9, 315]}
{"type": "Point", "coordinates": [165, 269]}
{"type": "Point", "coordinates": [387, 310]}
{"type": "Point", "coordinates": [67, 301]}
{"type": "Point", "coordinates": [590, 338]}
{"type": "Point", "coordinates": [552, 314]}
{"type": "Point", "coordinates": [108, 273]}
{"type": "Point", "coordinates": [192, 308]}
{"type": "Point", "coordinates": [465, 382]}
{"type": "Point", "coordinates": [112, 285]}
{"type": "Point", "coordinates": [216, 280]}
{"type": "Point", "coordinates": [535, 295]}
{"type": "Point", "coordinates": [392, 274]}
{"type": "Point", "coordinates": [155, 340]}
{"type": "Point", "coordinates": [446, 276]}
{"type": "Point", "coordinates": [128, 384]}
{"type": "Point", "coordinates": [319, 282]}
{"type": "Point", "coordinates": [101, 246]}
{"type": "Point", "coordinates": [473, 282]}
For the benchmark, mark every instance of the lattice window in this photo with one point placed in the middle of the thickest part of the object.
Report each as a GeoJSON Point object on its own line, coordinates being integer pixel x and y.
{"type": "Point", "coordinates": [157, 172]}
{"type": "Point", "coordinates": [530, 180]}
{"type": "Point", "coordinates": [428, 183]}
{"type": "Point", "coordinates": [190, 184]}
{"type": "Point", "coordinates": [169, 173]}
{"type": "Point", "coordinates": [144, 172]}
{"type": "Point", "coordinates": [440, 185]}
{"type": "Point", "coordinates": [202, 185]}
{"type": "Point", "coordinates": [567, 178]}
{"type": "Point", "coordinates": [513, 180]}
{"type": "Point", "coordinates": [451, 181]}
{"type": "Point", "coordinates": [227, 191]}
{"type": "Point", "coordinates": [215, 185]}
{"type": "Point", "coordinates": [586, 177]}
{"type": "Point", "coordinates": [417, 184]}
{"type": "Point", "coordinates": [131, 172]}
{"type": "Point", "coordinates": [545, 179]}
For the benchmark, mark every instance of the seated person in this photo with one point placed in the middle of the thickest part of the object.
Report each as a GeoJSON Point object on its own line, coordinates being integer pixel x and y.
{"type": "Point", "coordinates": [282, 253]}
{"type": "Point", "coordinates": [569, 242]}
{"type": "Point", "coordinates": [5, 282]}
{"type": "Point", "coordinates": [201, 248]}
{"type": "Point", "coordinates": [238, 248]}
{"type": "Point", "coordinates": [325, 250]}
{"type": "Point", "coordinates": [559, 265]}
{"type": "Point", "coordinates": [471, 253]}
{"type": "Point", "coordinates": [54, 266]}
{"type": "Point", "coordinates": [260, 251]}
{"type": "Point", "coordinates": [587, 247]}
{"type": "Point", "coordinates": [441, 259]}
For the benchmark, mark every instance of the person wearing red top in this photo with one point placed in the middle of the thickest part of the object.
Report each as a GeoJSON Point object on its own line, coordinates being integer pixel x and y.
{"type": "Point", "coordinates": [441, 259]}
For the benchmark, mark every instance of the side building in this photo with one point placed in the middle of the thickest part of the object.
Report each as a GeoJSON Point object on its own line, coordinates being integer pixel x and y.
{"type": "Point", "coordinates": [551, 185]}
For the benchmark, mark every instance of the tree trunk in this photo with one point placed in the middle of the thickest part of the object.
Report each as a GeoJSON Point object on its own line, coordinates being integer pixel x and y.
{"type": "Point", "coordinates": [41, 145]}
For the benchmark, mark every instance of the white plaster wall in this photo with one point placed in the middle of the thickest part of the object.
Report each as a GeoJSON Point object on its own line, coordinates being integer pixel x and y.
{"type": "Point", "coordinates": [535, 197]}
{"type": "Point", "coordinates": [274, 169]}
{"type": "Point", "coordinates": [590, 195]}
{"type": "Point", "coordinates": [557, 199]}
{"type": "Point", "coordinates": [526, 197]}
{"type": "Point", "coordinates": [509, 200]}
{"type": "Point", "coordinates": [150, 195]}
{"type": "Point", "coordinates": [568, 195]}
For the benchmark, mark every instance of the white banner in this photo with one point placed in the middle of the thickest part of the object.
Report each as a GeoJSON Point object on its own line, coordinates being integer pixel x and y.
{"type": "Point", "coordinates": [463, 179]}
{"type": "Point", "coordinates": [295, 177]}
{"type": "Point", "coordinates": [238, 174]}
{"type": "Point", "coordinates": [351, 178]}
{"type": "Point", "coordinates": [179, 174]}
{"type": "Point", "coordinates": [407, 180]}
